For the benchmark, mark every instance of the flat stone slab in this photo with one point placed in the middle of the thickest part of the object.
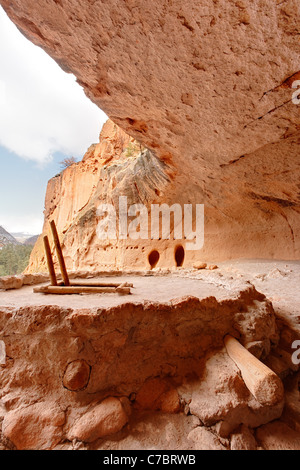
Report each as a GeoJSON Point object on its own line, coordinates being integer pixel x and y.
{"type": "Point", "coordinates": [154, 288]}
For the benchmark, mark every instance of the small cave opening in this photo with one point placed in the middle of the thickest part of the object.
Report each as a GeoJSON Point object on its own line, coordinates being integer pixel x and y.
{"type": "Point", "coordinates": [179, 255]}
{"type": "Point", "coordinates": [153, 258]}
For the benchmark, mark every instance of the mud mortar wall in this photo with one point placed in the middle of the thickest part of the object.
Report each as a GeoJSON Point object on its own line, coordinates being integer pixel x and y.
{"type": "Point", "coordinates": [125, 345]}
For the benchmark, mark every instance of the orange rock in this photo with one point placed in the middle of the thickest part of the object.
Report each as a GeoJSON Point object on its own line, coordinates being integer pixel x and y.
{"type": "Point", "coordinates": [149, 394]}
{"type": "Point", "coordinates": [76, 376]}
{"type": "Point", "coordinates": [38, 426]}
{"type": "Point", "coordinates": [170, 402]}
{"type": "Point", "coordinates": [158, 394]}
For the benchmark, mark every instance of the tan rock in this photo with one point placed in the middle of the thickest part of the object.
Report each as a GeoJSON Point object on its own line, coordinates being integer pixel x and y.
{"type": "Point", "coordinates": [222, 393]}
{"type": "Point", "coordinates": [204, 439]}
{"type": "Point", "coordinates": [212, 267]}
{"type": "Point", "coordinates": [36, 427]}
{"type": "Point", "coordinates": [34, 278]}
{"type": "Point", "coordinates": [278, 436]}
{"type": "Point", "coordinates": [104, 419]}
{"type": "Point", "coordinates": [199, 265]}
{"type": "Point", "coordinates": [243, 440]}
{"type": "Point", "coordinates": [11, 282]}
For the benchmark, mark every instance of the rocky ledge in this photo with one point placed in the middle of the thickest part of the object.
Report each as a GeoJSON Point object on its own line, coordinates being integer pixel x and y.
{"type": "Point", "coordinates": [101, 377]}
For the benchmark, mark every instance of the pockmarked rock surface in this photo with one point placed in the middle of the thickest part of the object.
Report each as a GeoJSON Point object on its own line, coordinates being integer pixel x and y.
{"type": "Point", "coordinates": [210, 89]}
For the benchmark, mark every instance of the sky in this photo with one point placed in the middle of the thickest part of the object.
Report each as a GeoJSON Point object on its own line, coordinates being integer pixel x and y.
{"type": "Point", "coordinates": [44, 117]}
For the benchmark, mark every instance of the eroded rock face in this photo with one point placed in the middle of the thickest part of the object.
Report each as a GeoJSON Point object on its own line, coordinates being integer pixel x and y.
{"type": "Point", "coordinates": [208, 89]}
{"type": "Point", "coordinates": [117, 166]}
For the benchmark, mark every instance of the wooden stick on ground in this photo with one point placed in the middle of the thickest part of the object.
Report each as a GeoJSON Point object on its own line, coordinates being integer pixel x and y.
{"type": "Point", "coordinates": [261, 381]}
{"type": "Point", "coordinates": [95, 283]}
{"type": "Point", "coordinates": [59, 254]}
{"type": "Point", "coordinates": [81, 290]}
{"type": "Point", "coordinates": [50, 264]}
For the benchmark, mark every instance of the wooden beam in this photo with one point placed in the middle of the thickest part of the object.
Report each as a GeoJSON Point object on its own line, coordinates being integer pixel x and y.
{"type": "Point", "coordinates": [81, 290]}
{"type": "Point", "coordinates": [92, 283]}
{"type": "Point", "coordinates": [50, 264]}
{"type": "Point", "coordinates": [59, 253]}
{"type": "Point", "coordinates": [261, 381]}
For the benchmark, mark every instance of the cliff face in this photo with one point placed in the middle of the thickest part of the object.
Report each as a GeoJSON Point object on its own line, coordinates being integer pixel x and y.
{"type": "Point", "coordinates": [208, 89]}
{"type": "Point", "coordinates": [117, 166]}
{"type": "Point", "coordinates": [205, 90]}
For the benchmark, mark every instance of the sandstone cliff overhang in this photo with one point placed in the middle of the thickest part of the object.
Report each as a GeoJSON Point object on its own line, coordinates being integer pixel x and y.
{"type": "Point", "coordinates": [208, 87]}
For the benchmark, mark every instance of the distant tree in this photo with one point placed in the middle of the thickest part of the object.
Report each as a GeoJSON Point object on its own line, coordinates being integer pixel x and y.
{"type": "Point", "coordinates": [14, 259]}
{"type": "Point", "coordinates": [68, 161]}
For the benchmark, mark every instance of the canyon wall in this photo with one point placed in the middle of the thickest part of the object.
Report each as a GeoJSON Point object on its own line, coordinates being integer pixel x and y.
{"type": "Point", "coordinates": [207, 90]}
{"type": "Point", "coordinates": [120, 166]}
{"type": "Point", "coordinates": [117, 166]}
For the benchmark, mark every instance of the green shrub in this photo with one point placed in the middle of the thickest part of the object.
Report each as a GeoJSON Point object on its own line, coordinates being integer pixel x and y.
{"type": "Point", "coordinates": [14, 259]}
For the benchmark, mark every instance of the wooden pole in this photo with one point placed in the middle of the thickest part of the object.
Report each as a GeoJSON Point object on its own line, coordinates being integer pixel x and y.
{"type": "Point", "coordinates": [60, 257]}
{"type": "Point", "coordinates": [261, 381]}
{"type": "Point", "coordinates": [81, 290]}
{"type": "Point", "coordinates": [96, 283]}
{"type": "Point", "coordinates": [50, 264]}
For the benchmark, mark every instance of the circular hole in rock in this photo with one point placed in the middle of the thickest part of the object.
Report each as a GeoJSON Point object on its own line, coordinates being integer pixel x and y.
{"type": "Point", "coordinates": [153, 258]}
{"type": "Point", "coordinates": [179, 255]}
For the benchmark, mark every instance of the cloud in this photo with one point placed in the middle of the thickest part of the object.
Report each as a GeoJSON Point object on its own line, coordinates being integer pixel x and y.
{"type": "Point", "coordinates": [42, 109]}
{"type": "Point", "coordinates": [29, 223]}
